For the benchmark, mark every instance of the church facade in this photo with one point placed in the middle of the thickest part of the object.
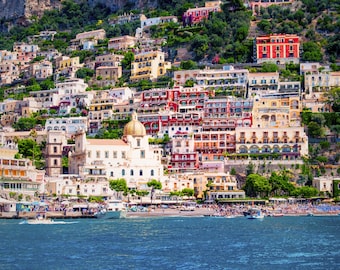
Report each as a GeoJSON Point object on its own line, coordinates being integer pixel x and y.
{"type": "Point", "coordinates": [131, 157]}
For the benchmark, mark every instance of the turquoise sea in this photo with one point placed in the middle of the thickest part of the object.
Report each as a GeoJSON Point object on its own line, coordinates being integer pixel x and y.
{"type": "Point", "coordinates": [173, 243]}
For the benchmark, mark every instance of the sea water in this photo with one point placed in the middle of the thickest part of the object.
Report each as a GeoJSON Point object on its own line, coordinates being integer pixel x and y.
{"type": "Point", "coordinates": [173, 243]}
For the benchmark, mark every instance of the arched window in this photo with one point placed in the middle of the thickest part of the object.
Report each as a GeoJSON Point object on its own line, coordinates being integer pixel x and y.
{"type": "Point", "coordinates": [131, 172]}
{"type": "Point", "coordinates": [152, 173]}
{"type": "Point", "coordinates": [123, 171]}
{"type": "Point", "coordinates": [140, 172]}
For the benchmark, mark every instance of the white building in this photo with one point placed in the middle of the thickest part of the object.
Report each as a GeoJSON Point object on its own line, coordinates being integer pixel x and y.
{"type": "Point", "coordinates": [70, 125]}
{"type": "Point", "coordinates": [130, 158]}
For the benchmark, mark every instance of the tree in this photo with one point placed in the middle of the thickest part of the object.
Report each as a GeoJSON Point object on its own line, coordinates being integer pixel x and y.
{"type": "Point", "coordinates": [29, 148]}
{"type": "Point", "coordinates": [118, 185]}
{"type": "Point", "coordinates": [269, 67]}
{"type": "Point", "coordinates": [315, 130]}
{"type": "Point", "coordinates": [305, 192]}
{"type": "Point", "coordinates": [233, 171]}
{"type": "Point", "coordinates": [129, 57]}
{"type": "Point", "coordinates": [333, 99]}
{"type": "Point", "coordinates": [250, 169]}
{"type": "Point", "coordinates": [256, 185]}
{"type": "Point", "coordinates": [187, 192]}
{"type": "Point", "coordinates": [154, 184]}
{"type": "Point", "coordinates": [188, 65]}
{"type": "Point", "coordinates": [25, 124]}
{"type": "Point", "coordinates": [84, 72]}
{"type": "Point", "coordinates": [311, 52]}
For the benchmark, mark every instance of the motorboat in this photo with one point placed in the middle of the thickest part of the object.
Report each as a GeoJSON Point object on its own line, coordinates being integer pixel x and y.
{"type": "Point", "coordinates": [115, 209]}
{"type": "Point", "coordinates": [254, 213]}
{"type": "Point", "coordinates": [38, 220]}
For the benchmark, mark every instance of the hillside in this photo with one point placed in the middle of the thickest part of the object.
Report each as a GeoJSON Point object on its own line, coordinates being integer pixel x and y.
{"type": "Point", "coordinates": [227, 35]}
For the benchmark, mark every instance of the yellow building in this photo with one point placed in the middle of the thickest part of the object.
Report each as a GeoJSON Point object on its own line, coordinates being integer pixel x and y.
{"type": "Point", "coordinates": [149, 66]}
{"type": "Point", "coordinates": [283, 112]}
{"type": "Point", "coordinates": [65, 62]}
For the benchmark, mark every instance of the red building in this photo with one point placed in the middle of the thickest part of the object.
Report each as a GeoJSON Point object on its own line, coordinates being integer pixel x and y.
{"type": "Point", "coordinates": [278, 48]}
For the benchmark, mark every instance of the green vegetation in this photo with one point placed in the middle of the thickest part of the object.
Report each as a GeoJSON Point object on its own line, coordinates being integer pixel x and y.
{"type": "Point", "coordinates": [278, 184]}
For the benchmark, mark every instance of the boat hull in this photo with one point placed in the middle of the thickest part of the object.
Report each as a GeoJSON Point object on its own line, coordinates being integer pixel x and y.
{"type": "Point", "coordinates": [115, 214]}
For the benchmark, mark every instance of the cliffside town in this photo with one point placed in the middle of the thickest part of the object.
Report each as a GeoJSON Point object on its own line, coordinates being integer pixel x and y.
{"type": "Point", "coordinates": [204, 129]}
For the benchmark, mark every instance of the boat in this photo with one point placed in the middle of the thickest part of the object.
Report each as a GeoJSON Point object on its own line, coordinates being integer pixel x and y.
{"type": "Point", "coordinates": [254, 213]}
{"type": "Point", "coordinates": [38, 220]}
{"type": "Point", "coordinates": [115, 209]}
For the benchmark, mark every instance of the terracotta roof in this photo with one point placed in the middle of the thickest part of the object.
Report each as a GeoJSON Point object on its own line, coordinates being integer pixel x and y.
{"type": "Point", "coordinates": [106, 142]}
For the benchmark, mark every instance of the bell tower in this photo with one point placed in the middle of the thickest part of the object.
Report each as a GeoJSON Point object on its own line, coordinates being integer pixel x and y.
{"type": "Point", "coordinates": [54, 152]}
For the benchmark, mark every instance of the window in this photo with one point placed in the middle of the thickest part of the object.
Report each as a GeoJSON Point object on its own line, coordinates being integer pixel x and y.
{"type": "Point", "coordinates": [140, 172]}
{"type": "Point", "coordinates": [106, 154]}
{"type": "Point", "coordinates": [152, 173]}
{"type": "Point", "coordinates": [111, 174]}
{"type": "Point", "coordinates": [55, 162]}
{"type": "Point", "coordinates": [114, 154]}
{"type": "Point", "coordinates": [123, 172]}
{"type": "Point", "coordinates": [138, 142]}
{"type": "Point", "coordinates": [55, 149]}
{"type": "Point", "coordinates": [98, 154]}
{"type": "Point", "coordinates": [142, 154]}
{"type": "Point", "coordinates": [123, 154]}
{"type": "Point", "coordinates": [131, 172]}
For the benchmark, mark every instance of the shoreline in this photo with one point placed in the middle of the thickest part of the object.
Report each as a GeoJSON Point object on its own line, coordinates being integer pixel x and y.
{"type": "Point", "coordinates": [198, 212]}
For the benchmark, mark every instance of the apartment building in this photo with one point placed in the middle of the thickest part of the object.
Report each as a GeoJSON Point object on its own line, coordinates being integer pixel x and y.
{"type": "Point", "coordinates": [277, 48]}
{"type": "Point", "coordinates": [183, 156]}
{"type": "Point", "coordinates": [149, 66]}
{"type": "Point", "coordinates": [256, 5]}
{"type": "Point", "coordinates": [262, 83]}
{"type": "Point", "coordinates": [122, 43]}
{"type": "Point", "coordinates": [198, 14]}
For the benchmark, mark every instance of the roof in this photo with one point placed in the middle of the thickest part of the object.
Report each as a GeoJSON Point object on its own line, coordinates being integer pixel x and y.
{"type": "Point", "coordinates": [106, 142]}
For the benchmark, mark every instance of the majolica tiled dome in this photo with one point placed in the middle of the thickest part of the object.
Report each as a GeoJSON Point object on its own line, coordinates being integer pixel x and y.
{"type": "Point", "coordinates": [134, 127]}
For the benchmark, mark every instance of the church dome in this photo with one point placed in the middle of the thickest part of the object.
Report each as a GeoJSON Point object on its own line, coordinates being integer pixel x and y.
{"type": "Point", "coordinates": [134, 127]}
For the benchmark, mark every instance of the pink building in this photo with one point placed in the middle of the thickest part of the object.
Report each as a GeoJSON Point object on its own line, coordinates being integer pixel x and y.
{"type": "Point", "coordinates": [196, 15]}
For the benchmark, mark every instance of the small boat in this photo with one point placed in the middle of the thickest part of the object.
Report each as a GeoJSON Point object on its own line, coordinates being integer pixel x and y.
{"type": "Point", "coordinates": [115, 209]}
{"type": "Point", "coordinates": [38, 220]}
{"type": "Point", "coordinates": [255, 213]}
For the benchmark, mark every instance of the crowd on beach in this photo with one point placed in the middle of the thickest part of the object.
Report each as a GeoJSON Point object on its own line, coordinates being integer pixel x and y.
{"type": "Point", "coordinates": [284, 209]}
{"type": "Point", "coordinates": [289, 209]}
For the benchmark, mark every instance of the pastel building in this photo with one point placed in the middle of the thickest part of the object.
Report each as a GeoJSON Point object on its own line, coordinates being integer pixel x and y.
{"type": "Point", "coordinates": [262, 83]}
{"type": "Point", "coordinates": [277, 48]}
{"type": "Point", "coordinates": [62, 95]}
{"type": "Point", "coordinates": [19, 175]}
{"type": "Point", "coordinates": [156, 21]}
{"type": "Point", "coordinates": [198, 14]}
{"type": "Point", "coordinates": [25, 52]}
{"type": "Point", "coordinates": [283, 142]}
{"type": "Point", "coordinates": [73, 185]}
{"type": "Point", "coordinates": [41, 70]}
{"type": "Point", "coordinates": [256, 5]}
{"type": "Point", "coordinates": [130, 158]}
{"type": "Point", "coordinates": [103, 106]}
{"type": "Point", "coordinates": [274, 112]}
{"type": "Point", "coordinates": [223, 186]}
{"type": "Point", "coordinates": [94, 35]}
{"type": "Point", "coordinates": [67, 65]}
{"type": "Point", "coordinates": [122, 43]}
{"type": "Point", "coordinates": [149, 66]}
{"type": "Point", "coordinates": [325, 184]}
{"type": "Point", "coordinates": [318, 82]}
{"type": "Point", "coordinates": [183, 156]}
{"type": "Point", "coordinates": [69, 125]}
